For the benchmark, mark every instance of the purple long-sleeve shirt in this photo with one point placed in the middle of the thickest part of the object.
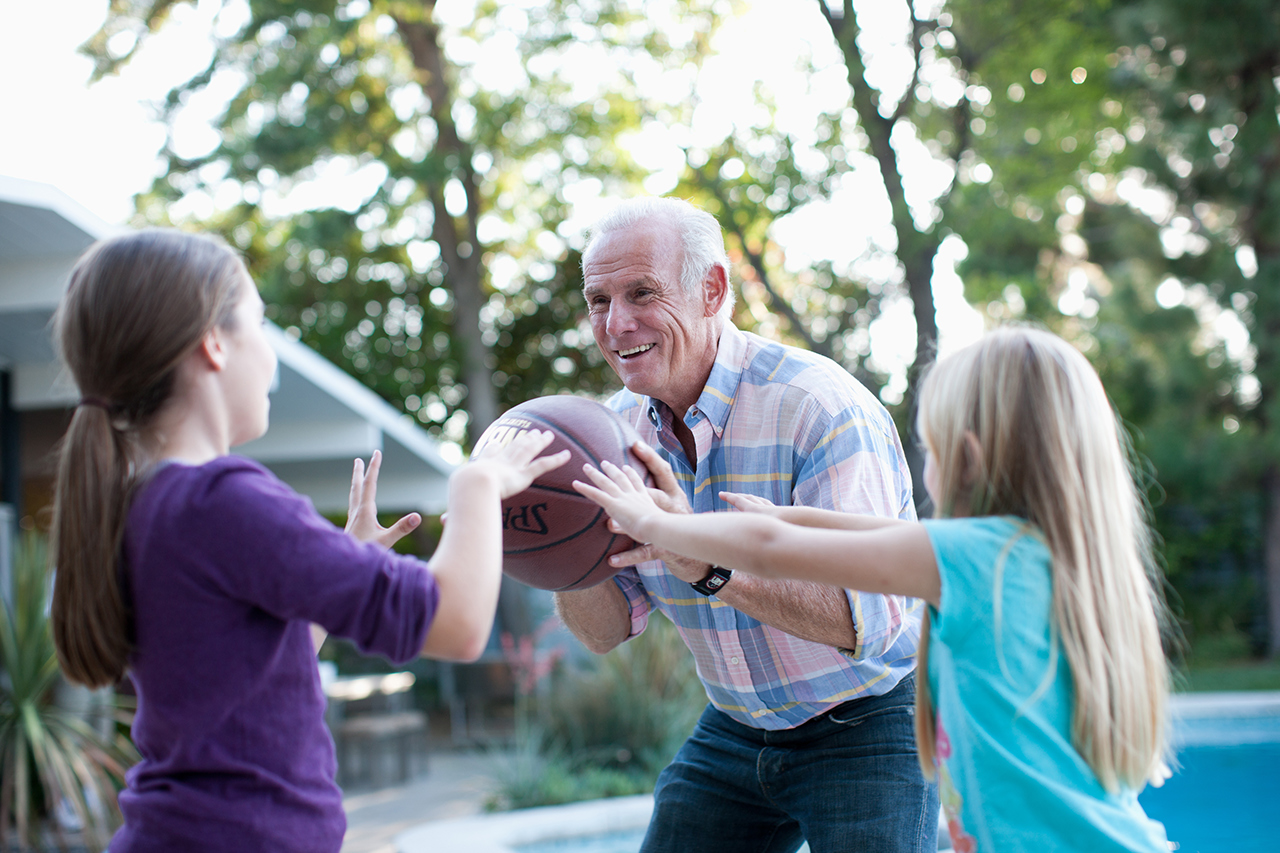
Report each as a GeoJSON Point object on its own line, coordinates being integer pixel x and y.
{"type": "Point", "coordinates": [225, 567]}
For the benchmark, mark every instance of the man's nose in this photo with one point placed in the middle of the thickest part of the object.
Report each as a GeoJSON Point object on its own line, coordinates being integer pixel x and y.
{"type": "Point", "coordinates": [620, 319]}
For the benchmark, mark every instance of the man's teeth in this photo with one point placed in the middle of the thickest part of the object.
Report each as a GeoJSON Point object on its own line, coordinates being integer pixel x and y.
{"type": "Point", "coordinates": [635, 350]}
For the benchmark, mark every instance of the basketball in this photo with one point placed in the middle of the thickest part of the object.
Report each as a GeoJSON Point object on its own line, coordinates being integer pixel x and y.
{"type": "Point", "coordinates": [552, 537]}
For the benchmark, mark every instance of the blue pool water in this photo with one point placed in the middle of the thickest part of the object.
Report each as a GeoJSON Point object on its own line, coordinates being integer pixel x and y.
{"type": "Point", "coordinates": [613, 842]}
{"type": "Point", "coordinates": [1221, 800]}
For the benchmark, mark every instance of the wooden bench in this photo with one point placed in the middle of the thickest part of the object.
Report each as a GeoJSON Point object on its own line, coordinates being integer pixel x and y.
{"type": "Point", "coordinates": [379, 739]}
{"type": "Point", "coordinates": [380, 750]}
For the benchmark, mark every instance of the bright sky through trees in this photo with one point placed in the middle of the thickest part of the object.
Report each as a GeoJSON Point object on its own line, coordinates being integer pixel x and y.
{"type": "Point", "coordinates": [98, 144]}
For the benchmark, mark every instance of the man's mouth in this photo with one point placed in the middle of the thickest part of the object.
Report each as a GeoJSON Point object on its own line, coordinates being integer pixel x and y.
{"type": "Point", "coordinates": [627, 353]}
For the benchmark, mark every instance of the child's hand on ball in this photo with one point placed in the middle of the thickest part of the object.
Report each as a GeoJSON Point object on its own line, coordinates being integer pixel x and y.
{"type": "Point", "coordinates": [517, 463]}
{"type": "Point", "coordinates": [622, 494]}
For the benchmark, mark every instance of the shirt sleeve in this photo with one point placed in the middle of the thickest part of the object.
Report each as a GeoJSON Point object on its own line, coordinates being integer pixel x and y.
{"type": "Point", "coordinates": [638, 603]}
{"type": "Point", "coordinates": [856, 465]}
{"type": "Point", "coordinates": [968, 552]}
{"type": "Point", "coordinates": [267, 546]}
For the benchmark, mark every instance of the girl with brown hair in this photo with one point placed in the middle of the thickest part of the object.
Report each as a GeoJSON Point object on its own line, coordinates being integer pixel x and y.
{"type": "Point", "coordinates": [199, 572]}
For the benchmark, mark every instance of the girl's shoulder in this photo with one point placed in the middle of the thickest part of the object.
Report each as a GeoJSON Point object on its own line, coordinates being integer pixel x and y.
{"type": "Point", "coordinates": [983, 526]}
{"type": "Point", "coordinates": [168, 472]}
{"type": "Point", "coordinates": [229, 482]}
{"type": "Point", "coordinates": [981, 540]}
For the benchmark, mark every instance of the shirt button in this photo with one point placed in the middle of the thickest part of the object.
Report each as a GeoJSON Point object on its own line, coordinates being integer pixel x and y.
{"type": "Point", "coordinates": [653, 416]}
{"type": "Point", "coordinates": [733, 660]}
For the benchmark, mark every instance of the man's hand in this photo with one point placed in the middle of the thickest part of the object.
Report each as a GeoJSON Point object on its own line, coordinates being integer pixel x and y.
{"type": "Point", "coordinates": [362, 507]}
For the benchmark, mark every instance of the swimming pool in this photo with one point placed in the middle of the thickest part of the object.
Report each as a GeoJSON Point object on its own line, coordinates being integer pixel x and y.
{"type": "Point", "coordinates": [1222, 796]}
{"type": "Point", "coordinates": [1219, 801]}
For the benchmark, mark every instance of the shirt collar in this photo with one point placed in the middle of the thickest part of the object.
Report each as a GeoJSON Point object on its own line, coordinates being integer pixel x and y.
{"type": "Point", "coordinates": [716, 399]}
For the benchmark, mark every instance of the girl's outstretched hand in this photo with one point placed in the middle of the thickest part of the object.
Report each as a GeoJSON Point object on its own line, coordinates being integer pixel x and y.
{"type": "Point", "coordinates": [621, 493]}
{"type": "Point", "coordinates": [362, 507]}
{"type": "Point", "coordinates": [750, 503]}
{"type": "Point", "coordinates": [516, 464]}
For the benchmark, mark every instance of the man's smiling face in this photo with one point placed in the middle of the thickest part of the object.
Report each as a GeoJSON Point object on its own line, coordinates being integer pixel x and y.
{"type": "Point", "coordinates": [660, 340]}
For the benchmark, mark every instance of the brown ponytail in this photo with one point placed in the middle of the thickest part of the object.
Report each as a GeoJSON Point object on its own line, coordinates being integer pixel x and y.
{"type": "Point", "coordinates": [135, 306]}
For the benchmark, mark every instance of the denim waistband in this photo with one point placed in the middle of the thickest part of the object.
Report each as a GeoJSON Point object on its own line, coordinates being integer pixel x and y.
{"type": "Point", "coordinates": [839, 716]}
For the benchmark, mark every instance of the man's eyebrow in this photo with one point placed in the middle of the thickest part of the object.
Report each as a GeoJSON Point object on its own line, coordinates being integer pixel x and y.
{"type": "Point", "coordinates": [638, 281]}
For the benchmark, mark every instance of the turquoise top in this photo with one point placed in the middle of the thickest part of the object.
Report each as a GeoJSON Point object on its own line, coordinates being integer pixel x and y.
{"type": "Point", "coordinates": [1008, 775]}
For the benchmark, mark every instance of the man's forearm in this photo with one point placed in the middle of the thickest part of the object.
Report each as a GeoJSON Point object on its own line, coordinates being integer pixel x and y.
{"type": "Point", "coordinates": [599, 616]}
{"type": "Point", "coordinates": [810, 611]}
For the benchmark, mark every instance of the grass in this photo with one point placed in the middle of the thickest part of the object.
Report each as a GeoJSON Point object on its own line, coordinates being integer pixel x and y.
{"type": "Point", "coordinates": [1224, 661]}
{"type": "Point", "coordinates": [1247, 674]}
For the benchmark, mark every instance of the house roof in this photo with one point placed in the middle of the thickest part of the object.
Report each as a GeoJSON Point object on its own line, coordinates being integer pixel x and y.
{"type": "Point", "coordinates": [321, 418]}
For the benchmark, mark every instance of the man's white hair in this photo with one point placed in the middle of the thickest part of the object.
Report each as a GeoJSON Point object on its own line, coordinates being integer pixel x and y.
{"type": "Point", "coordinates": [700, 238]}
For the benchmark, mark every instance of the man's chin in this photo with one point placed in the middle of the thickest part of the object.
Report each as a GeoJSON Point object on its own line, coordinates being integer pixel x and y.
{"type": "Point", "coordinates": [638, 383]}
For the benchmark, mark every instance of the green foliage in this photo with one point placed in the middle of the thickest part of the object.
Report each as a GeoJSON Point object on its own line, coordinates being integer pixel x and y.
{"type": "Point", "coordinates": [446, 284]}
{"type": "Point", "coordinates": [49, 757]}
{"type": "Point", "coordinates": [1233, 674]}
{"type": "Point", "coordinates": [1095, 149]}
{"type": "Point", "coordinates": [607, 730]}
{"type": "Point", "coordinates": [1125, 143]}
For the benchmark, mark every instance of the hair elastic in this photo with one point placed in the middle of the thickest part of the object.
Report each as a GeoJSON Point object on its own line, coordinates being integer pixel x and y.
{"type": "Point", "coordinates": [95, 401]}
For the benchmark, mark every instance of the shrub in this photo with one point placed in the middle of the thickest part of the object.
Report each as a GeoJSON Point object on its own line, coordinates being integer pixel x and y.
{"type": "Point", "coordinates": [608, 729]}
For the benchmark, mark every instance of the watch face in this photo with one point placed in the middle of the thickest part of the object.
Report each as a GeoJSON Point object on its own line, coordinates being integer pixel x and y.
{"type": "Point", "coordinates": [715, 579]}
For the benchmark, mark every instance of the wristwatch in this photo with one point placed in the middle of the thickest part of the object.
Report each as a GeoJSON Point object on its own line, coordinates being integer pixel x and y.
{"type": "Point", "coordinates": [714, 581]}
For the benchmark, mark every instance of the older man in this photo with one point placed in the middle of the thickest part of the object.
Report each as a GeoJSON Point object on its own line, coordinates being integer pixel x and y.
{"type": "Point", "coordinates": [809, 731]}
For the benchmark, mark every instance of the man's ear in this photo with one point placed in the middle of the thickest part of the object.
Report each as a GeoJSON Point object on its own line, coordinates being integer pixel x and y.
{"type": "Point", "coordinates": [211, 352]}
{"type": "Point", "coordinates": [715, 289]}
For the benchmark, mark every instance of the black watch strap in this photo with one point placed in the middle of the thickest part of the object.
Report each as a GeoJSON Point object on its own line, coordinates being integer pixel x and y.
{"type": "Point", "coordinates": [714, 581]}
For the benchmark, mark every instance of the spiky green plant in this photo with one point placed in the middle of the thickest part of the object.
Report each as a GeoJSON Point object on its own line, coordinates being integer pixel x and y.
{"type": "Point", "coordinates": [49, 756]}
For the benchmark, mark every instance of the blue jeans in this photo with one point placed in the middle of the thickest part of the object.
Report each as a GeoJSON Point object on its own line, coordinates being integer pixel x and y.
{"type": "Point", "coordinates": [848, 780]}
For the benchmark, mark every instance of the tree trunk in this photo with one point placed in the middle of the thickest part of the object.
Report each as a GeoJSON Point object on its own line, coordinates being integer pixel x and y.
{"type": "Point", "coordinates": [458, 238]}
{"type": "Point", "coordinates": [916, 249]}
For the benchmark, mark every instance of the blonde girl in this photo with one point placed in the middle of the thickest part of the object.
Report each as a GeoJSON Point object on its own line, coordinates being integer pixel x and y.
{"type": "Point", "coordinates": [1043, 712]}
{"type": "Point", "coordinates": [199, 573]}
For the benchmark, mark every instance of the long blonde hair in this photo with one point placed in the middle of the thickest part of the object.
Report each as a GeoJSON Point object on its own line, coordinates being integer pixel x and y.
{"type": "Point", "coordinates": [135, 306]}
{"type": "Point", "coordinates": [1019, 424]}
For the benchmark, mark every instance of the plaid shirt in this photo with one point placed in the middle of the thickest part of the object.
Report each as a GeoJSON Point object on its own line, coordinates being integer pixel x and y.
{"type": "Point", "coordinates": [795, 428]}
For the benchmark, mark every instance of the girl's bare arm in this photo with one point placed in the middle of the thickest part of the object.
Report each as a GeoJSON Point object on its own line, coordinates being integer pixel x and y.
{"type": "Point", "coordinates": [894, 559]}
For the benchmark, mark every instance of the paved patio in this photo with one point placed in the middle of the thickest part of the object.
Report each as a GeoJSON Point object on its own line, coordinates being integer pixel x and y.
{"type": "Point", "coordinates": [454, 786]}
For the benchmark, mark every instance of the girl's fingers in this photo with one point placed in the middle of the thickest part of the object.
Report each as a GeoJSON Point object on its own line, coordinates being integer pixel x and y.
{"type": "Point", "coordinates": [524, 447]}
{"type": "Point", "coordinates": [746, 503]}
{"type": "Point", "coordinates": [617, 474]}
{"type": "Point", "coordinates": [543, 464]}
{"type": "Point", "coordinates": [402, 527]}
{"type": "Point", "coordinates": [634, 476]}
{"type": "Point", "coordinates": [370, 494]}
{"type": "Point", "coordinates": [357, 481]}
{"type": "Point", "coordinates": [590, 492]}
{"type": "Point", "coordinates": [602, 482]}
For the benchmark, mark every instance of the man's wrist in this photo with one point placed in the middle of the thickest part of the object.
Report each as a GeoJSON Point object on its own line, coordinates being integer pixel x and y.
{"type": "Point", "coordinates": [714, 581]}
